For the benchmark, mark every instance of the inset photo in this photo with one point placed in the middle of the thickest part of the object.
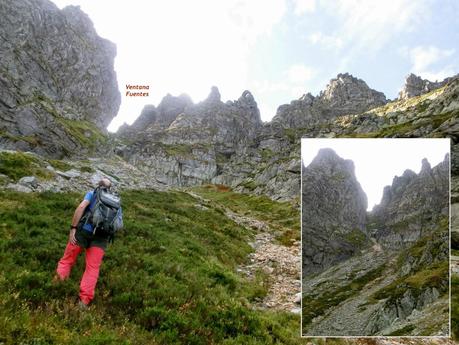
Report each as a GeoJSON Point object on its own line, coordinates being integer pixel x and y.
{"type": "Point", "coordinates": [375, 237]}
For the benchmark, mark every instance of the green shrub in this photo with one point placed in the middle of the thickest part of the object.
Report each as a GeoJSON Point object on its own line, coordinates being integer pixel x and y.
{"type": "Point", "coordinates": [60, 165]}
{"type": "Point", "coordinates": [17, 164]}
{"type": "Point", "coordinates": [86, 168]}
{"type": "Point", "coordinates": [403, 331]}
{"type": "Point", "coordinates": [455, 306]}
{"type": "Point", "coordinates": [433, 276]}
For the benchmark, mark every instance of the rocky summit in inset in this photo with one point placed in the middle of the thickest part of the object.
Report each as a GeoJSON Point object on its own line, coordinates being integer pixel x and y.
{"type": "Point", "coordinates": [333, 212]}
{"type": "Point", "coordinates": [384, 272]}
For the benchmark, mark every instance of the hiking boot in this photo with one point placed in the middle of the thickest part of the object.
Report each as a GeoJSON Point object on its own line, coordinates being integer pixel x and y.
{"type": "Point", "coordinates": [82, 305]}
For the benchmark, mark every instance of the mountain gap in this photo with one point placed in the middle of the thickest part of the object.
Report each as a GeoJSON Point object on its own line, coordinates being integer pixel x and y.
{"type": "Point", "coordinates": [383, 272]}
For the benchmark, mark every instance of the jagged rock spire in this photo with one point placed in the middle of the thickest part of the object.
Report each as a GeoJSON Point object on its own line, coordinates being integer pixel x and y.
{"type": "Point", "coordinates": [214, 95]}
{"type": "Point", "coordinates": [415, 86]}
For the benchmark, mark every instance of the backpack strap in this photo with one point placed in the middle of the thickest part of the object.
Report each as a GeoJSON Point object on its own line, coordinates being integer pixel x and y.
{"type": "Point", "coordinates": [88, 212]}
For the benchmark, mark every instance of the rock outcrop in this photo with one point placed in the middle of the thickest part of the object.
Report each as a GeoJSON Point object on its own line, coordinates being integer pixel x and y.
{"type": "Point", "coordinates": [344, 94]}
{"type": "Point", "coordinates": [58, 92]}
{"type": "Point", "coordinates": [415, 86]}
{"type": "Point", "coordinates": [333, 212]}
{"type": "Point", "coordinates": [411, 206]}
{"type": "Point", "coordinates": [434, 114]}
{"type": "Point", "coordinates": [186, 144]}
{"type": "Point", "coordinates": [157, 119]}
{"type": "Point", "coordinates": [395, 281]}
{"type": "Point", "coordinates": [58, 88]}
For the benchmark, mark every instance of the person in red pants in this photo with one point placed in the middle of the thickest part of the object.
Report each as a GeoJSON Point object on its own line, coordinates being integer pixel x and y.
{"type": "Point", "coordinates": [94, 245]}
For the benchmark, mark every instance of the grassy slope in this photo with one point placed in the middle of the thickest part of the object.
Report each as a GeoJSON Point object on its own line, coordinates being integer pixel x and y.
{"type": "Point", "coordinates": [282, 216]}
{"type": "Point", "coordinates": [168, 279]}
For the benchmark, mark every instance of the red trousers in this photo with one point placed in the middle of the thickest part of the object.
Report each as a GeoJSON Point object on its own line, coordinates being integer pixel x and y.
{"type": "Point", "coordinates": [88, 283]}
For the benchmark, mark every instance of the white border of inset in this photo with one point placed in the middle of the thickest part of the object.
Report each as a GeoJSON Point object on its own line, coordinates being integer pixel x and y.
{"type": "Point", "coordinates": [303, 140]}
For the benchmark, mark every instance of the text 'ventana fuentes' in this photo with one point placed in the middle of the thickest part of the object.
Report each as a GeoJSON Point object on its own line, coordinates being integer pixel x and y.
{"type": "Point", "coordinates": [137, 87]}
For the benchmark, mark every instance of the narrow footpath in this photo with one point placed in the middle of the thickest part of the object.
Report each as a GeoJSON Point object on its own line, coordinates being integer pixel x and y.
{"type": "Point", "coordinates": [281, 264]}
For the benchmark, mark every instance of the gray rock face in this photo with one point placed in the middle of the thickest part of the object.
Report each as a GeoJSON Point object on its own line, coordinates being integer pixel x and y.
{"type": "Point", "coordinates": [81, 175]}
{"type": "Point", "coordinates": [351, 95]}
{"type": "Point", "coordinates": [187, 144]}
{"type": "Point", "coordinates": [58, 88]}
{"type": "Point", "coordinates": [157, 119]}
{"type": "Point", "coordinates": [374, 287]}
{"type": "Point", "coordinates": [58, 92]}
{"type": "Point", "coordinates": [415, 86]}
{"type": "Point", "coordinates": [412, 205]}
{"type": "Point", "coordinates": [333, 212]}
{"type": "Point", "coordinates": [343, 95]}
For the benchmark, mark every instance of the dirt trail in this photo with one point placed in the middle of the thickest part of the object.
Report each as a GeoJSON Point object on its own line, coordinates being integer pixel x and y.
{"type": "Point", "coordinates": [280, 263]}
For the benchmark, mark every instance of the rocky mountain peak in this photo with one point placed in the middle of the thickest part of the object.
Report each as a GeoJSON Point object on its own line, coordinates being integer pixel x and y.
{"type": "Point", "coordinates": [170, 102]}
{"type": "Point", "coordinates": [170, 107]}
{"type": "Point", "coordinates": [145, 119]}
{"type": "Point", "coordinates": [344, 95]}
{"type": "Point", "coordinates": [347, 90]}
{"type": "Point", "coordinates": [328, 157]}
{"type": "Point", "coordinates": [214, 95]}
{"type": "Point", "coordinates": [417, 200]}
{"type": "Point", "coordinates": [76, 17]}
{"type": "Point", "coordinates": [60, 73]}
{"type": "Point", "coordinates": [334, 211]}
{"type": "Point", "coordinates": [307, 98]}
{"type": "Point", "coordinates": [425, 168]}
{"type": "Point", "coordinates": [247, 104]}
{"type": "Point", "coordinates": [247, 98]}
{"type": "Point", "coordinates": [415, 86]}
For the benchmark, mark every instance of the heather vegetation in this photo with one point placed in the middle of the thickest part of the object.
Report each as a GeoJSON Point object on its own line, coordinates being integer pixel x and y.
{"type": "Point", "coordinates": [169, 278]}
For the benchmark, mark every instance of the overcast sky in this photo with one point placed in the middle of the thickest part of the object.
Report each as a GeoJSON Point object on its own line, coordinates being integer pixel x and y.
{"type": "Point", "coordinates": [277, 49]}
{"type": "Point", "coordinates": [378, 161]}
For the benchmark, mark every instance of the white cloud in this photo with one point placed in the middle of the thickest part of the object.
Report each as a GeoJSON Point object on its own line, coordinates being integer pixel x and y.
{"type": "Point", "coordinates": [304, 6]}
{"type": "Point", "coordinates": [296, 81]}
{"type": "Point", "coordinates": [426, 59]}
{"type": "Point", "coordinates": [298, 78]}
{"type": "Point", "coordinates": [438, 75]}
{"type": "Point", "coordinates": [327, 41]}
{"type": "Point", "coordinates": [255, 17]}
{"type": "Point", "coordinates": [269, 87]}
{"type": "Point", "coordinates": [368, 24]}
{"type": "Point", "coordinates": [181, 46]}
{"type": "Point", "coordinates": [300, 74]}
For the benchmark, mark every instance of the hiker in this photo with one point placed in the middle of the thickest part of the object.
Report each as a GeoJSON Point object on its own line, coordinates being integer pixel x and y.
{"type": "Point", "coordinates": [84, 234]}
